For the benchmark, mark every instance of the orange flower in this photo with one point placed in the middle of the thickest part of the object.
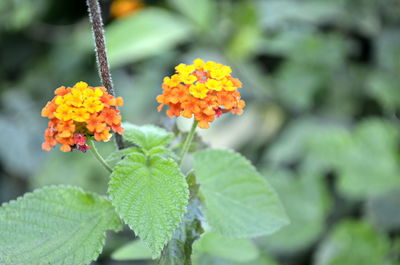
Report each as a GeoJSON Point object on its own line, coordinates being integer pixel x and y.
{"type": "Point", "coordinates": [122, 8]}
{"type": "Point", "coordinates": [79, 112]}
{"type": "Point", "coordinates": [203, 90]}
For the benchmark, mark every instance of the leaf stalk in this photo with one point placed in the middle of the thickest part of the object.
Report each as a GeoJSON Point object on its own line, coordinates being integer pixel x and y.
{"type": "Point", "coordinates": [97, 155]}
{"type": "Point", "coordinates": [188, 141]}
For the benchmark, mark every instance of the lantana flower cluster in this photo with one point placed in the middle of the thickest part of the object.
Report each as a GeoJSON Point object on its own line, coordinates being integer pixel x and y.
{"type": "Point", "coordinates": [79, 112]}
{"type": "Point", "coordinates": [203, 90]}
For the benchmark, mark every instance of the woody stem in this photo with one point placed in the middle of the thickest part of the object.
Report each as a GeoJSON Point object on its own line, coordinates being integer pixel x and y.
{"type": "Point", "coordinates": [98, 156]}
{"type": "Point", "coordinates": [101, 53]}
{"type": "Point", "coordinates": [188, 140]}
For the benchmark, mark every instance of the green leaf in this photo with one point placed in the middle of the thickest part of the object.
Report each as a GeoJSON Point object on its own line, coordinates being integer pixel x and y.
{"type": "Point", "coordinates": [248, 32]}
{"type": "Point", "coordinates": [136, 250]}
{"type": "Point", "coordinates": [239, 250]}
{"type": "Point", "coordinates": [55, 225]}
{"type": "Point", "coordinates": [16, 15]}
{"type": "Point", "coordinates": [147, 137]}
{"type": "Point", "coordinates": [383, 211]}
{"type": "Point", "coordinates": [295, 140]}
{"type": "Point", "coordinates": [146, 33]}
{"type": "Point", "coordinates": [304, 78]}
{"type": "Point", "coordinates": [383, 86]}
{"type": "Point", "coordinates": [72, 169]}
{"type": "Point", "coordinates": [353, 242]}
{"type": "Point", "coordinates": [276, 13]}
{"type": "Point", "coordinates": [207, 259]}
{"type": "Point", "coordinates": [365, 158]}
{"type": "Point", "coordinates": [116, 156]}
{"type": "Point", "coordinates": [202, 13]}
{"type": "Point", "coordinates": [151, 195]}
{"type": "Point", "coordinates": [370, 166]}
{"type": "Point", "coordinates": [388, 50]}
{"type": "Point", "coordinates": [179, 248]}
{"type": "Point", "coordinates": [305, 201]}
{"type": "Point", "coordinates": [238, 201]}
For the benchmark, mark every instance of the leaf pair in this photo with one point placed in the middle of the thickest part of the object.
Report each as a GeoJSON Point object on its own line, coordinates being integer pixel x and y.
{"type": "Point", "coordinates": [64, 225]}
{"type": "Point", "coordinates": [151, 194]}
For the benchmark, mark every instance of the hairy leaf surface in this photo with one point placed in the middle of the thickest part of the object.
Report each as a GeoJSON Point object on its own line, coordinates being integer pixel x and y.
{"type": "Point", "coordinates": [151, 195]}
{"type": "Point", "coordinates": [55, 225]}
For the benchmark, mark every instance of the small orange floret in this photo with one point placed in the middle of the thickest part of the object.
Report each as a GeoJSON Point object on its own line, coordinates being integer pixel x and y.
{"type": "Point", "coordinates": [122, 8]}
{"type": "Point", "coordinates": [82, 111]}
{"type": "Point", "coordinates": [61, 91]}
{"type": "Point", "coordinates": [203, 90]}
{"type": "Point", "coordinates": [49, 109]}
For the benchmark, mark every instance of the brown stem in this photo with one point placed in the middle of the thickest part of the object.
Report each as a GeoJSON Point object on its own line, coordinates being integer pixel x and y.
{"type": "Point", "coordinates": [101, 54]}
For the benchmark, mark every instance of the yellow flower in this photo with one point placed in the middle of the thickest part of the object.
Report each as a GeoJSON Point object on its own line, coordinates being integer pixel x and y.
{"type": "Point", "coordinates": [184, 69]}
{"type": "Point", "coordinates": [188, 79]}
{"type": "Point", "coordinates": [173, 81]}
{"type": "Point", "coordinates": [80, 115]}
{"type": "Point", "coordinates": [228, 85]}
{"type": "Point", "coordinates": [93, 105]}
{"type": "Point", "coordinates": [198, 90]}
{"type": "Point", "coordinates": [92, 93]}
{"type": "Point", "coordinates": [75, 99]}
{"type": "Point", "coordinates": [63, 112]}
{"type": "Point", "coordinates": [209, 66]}
{"type": "Point", "coordinates": [81, 85]}
{"type": "Point", "coordinates": [198, 63]}
{"type": "Point", "coordinates": [220, 71]}
{"type": "Point", "coordinates": [59, 100]}
{"type": "Point", "coordinates": [97, 92]}
{"type": "Point", "coordinates": [213, 84]}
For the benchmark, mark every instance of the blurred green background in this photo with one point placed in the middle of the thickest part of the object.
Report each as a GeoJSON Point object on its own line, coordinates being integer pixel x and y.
{"type": "Point", "coordinates": [322, 85]}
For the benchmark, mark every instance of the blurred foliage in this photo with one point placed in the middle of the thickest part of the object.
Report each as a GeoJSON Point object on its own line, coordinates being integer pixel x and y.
{"type": "Point", "coordinates": [321, 80]}
{"type": "Point", "coordinates": [353, 242]}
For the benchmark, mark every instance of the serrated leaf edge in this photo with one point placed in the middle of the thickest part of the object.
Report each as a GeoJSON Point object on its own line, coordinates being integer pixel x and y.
{"type": "Point", "coordinates": [285, 220]}
{"type": "Point", "coordinates": [139, 232]}
{"type": "Point", "coordinates": [102, 241]}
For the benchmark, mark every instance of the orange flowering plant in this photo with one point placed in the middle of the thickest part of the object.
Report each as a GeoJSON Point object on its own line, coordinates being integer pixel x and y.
{"type": "Point", "coordinates": [78, 113]}
{"type": "Point", "coordinates": [204, 90]}
{"type": "Point", "coordinates": [167, 200]}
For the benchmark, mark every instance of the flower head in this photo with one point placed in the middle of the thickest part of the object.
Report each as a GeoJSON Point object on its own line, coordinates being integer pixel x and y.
{"type": "Point", "coordinates": [203, 90]}
{"type": "Point", "coordinates": [122, 8]}
{"type": "Point", "coordinates": [79, 112]}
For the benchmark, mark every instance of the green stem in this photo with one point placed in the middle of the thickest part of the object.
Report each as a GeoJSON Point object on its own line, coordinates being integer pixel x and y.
{"type": "Point", "coordinates": [188, 140]}
{"type": "Point", "coordinates": [98, 156]}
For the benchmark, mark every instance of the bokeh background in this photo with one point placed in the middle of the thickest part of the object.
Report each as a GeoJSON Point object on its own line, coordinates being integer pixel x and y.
{"type": "Point", "coordinates": [322, 85]}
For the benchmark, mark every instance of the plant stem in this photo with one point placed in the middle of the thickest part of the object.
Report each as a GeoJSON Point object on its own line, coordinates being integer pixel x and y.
{"type": "Point", "coordinates": [179, 248]}
{"type": "Point", "coordinates": [188, 140]}
{"type": "Point", "coordinates": [101, 54]}
{"type": "Point", "coordinates": [98, 156]}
